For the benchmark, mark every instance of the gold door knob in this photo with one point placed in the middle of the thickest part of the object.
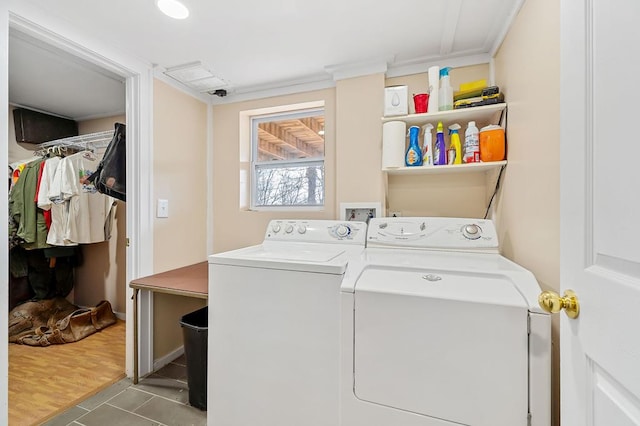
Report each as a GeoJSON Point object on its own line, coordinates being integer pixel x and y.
{"type": "Point", "coordinates": [551, 302]}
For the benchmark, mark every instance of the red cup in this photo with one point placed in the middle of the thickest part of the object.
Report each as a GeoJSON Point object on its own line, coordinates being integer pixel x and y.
{"type": "Point", "coordinates": [421, 102]}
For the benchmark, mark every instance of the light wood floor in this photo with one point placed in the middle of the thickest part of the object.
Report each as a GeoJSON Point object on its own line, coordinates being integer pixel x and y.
{"type": "Point", "coordinates": [44, 381]}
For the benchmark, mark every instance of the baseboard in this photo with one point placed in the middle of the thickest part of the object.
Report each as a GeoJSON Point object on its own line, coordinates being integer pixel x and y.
{"type": "Point", "coordinates": [161, 362]}
{"type": "Point", "coordinates": [121, 316]}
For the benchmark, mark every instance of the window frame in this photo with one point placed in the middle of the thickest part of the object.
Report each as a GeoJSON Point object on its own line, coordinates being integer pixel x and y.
{"type": "Point", "coordinates": [254, 165]}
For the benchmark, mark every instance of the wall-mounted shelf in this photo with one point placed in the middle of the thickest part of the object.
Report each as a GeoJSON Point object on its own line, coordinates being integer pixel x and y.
{"type": "Point", "coordinates": [457, 168]}
{"type": "Point", "coordinates": [478, 114]}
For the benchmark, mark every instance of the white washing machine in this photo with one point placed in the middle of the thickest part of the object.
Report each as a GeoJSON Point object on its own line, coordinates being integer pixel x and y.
{"type": "Point", "coordinates": [439, 329]}
{"type": "Point", "coordinates": [274, 325]}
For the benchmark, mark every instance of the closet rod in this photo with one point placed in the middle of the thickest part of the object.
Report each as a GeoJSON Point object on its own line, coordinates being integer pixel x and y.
{"type": "Point", "coordinates": [97, 140]}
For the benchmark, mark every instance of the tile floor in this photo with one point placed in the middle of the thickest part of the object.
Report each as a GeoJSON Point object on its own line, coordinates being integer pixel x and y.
{"type": "Point", "coordinates": [160, 399]}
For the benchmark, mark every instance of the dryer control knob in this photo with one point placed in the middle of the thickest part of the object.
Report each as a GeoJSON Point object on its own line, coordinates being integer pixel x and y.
{"type": "Point", "coordinates": [288, 229]}
{"type": "Point", "coordinates": [302, 229]}
{"type": "Point", "coordinates": [342, 231]}
{"type": "Point", "coordinates": [276, 228]}
{"type": "Point", "coordinates": [471, 231]}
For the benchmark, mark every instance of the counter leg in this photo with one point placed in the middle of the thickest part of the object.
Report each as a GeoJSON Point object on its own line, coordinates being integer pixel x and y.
{"type": "Point", "coordinates": [135, 336]}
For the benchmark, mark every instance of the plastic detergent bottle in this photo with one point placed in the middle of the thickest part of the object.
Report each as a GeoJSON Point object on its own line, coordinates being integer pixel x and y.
{"type": "Point", "coordinates": [427, 146]}
{"type": "Point", "coordinates": [414, 154]}
{"type": "Point", "coordinates": [445, 95]}
{"type": "Point", "coordinates": [455, 150]}
{"type": "Point", "coordinates": [440, 149]}
{"type": "Point", "coordinates": [471, 144]}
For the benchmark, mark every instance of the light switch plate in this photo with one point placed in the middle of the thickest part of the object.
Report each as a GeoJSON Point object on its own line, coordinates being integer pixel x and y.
{"type": "Point", "coordinates": [163, 208]}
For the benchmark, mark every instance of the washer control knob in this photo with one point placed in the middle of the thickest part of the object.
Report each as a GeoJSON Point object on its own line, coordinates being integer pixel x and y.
{"type": "Point", "coordinates": [342, 231]}
{"type": "Point", "coordinates": [276, 228]}
{"type": "Point", "coordinates": [471, 231]}
{"type": "Point", "coordinates": [288, 229]}
{"type": "Point", "coordinates": [302, 229]}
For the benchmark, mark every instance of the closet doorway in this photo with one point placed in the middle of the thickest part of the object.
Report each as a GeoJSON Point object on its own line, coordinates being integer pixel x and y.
{"type": "Point", "coordinates": [105, 267]}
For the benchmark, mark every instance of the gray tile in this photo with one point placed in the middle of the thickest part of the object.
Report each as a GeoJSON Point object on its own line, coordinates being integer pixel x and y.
{"type": "Point", "coordinates": [173, 371]}
{"type": "Point", "coordinates": [112, 416]}
{"type": "Point", "coordinates": [181, 360]}
{"type": "Point", "coordinates": [130, 399]}
{"type": "Point", "coordinates": [106, 394]}
{"type": "Point", "coordinates": [164, 387]}
{"type": "Point", "coordinates": [67, 417]}
{"type": "Point", "coordinates": [172, 413]}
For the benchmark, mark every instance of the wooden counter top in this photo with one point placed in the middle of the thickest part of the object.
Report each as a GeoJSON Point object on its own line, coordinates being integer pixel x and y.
{"type": "Point", "coordinates": [189, 281]}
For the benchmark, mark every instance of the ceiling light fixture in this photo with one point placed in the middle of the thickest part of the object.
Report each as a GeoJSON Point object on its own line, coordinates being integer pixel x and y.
{"type": "Point", "coordinates": [173, 9]}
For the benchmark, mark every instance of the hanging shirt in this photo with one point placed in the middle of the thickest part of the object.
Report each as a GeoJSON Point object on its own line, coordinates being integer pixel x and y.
{"type": "Point", "coordinates": [50, 199]}
{"type": "Point", "coordinates": [90, 214]}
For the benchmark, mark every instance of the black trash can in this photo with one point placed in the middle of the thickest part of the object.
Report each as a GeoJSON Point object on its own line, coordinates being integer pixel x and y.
{"type": "Point", "coordinates": [194, 332]}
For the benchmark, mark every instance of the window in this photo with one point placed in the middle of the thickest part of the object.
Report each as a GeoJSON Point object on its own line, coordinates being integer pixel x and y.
{"type": "Point", "coordinates": [287, 160]}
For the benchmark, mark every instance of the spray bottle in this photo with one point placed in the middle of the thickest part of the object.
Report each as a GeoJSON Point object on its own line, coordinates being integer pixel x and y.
{"type": "Point", "coordinates": [471, 144]}
{"type": "Point", "coordinates": [414, 154]}
{"type": "Point", "coordinates": [427, 146]}
{"type": "Point", "coordinates": [455, 149]}
{"type": "Point", "coordinates": [445, 97]}
{"type": "Point", "coordinates": [440, 149]}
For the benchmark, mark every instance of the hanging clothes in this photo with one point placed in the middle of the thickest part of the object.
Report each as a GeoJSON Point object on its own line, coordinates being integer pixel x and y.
{"type": "Point", "coordinates": [27, 224]}
{"type": "Point", "coordinates": [89, 214]}
{"type": "Point", "coordinates": [111, 176]}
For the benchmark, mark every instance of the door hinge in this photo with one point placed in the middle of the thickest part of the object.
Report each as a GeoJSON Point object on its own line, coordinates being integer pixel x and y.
{"type": "Point", "coordinates": [128, 244]}
{"type": "Point", "coordinates": [529, 328]}
{"type": "Point", "coordinates": [528, 419]}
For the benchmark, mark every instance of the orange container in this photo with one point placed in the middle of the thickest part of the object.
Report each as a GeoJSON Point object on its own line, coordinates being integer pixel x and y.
{"type": "Point", "coordinates": [492, 143]}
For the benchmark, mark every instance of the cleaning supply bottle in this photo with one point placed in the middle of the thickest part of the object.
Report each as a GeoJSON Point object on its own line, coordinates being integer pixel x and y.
{"type": "Point", "coordinates": [455, 150]}
{"type": "Point", "coordinates": [471, 144]}
{"type": "Point", "coordinates": [445, 97]}
{"type": "Point", "coordinates": [440, 149]}
{"type": "Point", "coordinates": [427, 146]}
{"type": "Point", "coordinates": [414, 154]}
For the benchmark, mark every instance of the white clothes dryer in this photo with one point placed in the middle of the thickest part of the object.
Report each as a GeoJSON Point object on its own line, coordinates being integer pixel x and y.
{"type": "Point", "coordinates": [274, 325]}
{"type": "Point", "coordinates": [439, 329]}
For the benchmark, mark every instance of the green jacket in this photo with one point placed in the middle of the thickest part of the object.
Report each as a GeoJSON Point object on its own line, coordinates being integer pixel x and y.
{"type": "Point", "coordinates": [26, 220]}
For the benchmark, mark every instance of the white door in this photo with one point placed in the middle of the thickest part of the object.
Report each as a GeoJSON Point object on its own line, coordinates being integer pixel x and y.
{"type": "Point", "coordinates": [600, 211]}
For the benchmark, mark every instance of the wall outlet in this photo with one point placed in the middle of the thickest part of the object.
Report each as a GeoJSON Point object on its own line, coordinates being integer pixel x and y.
{"type": "Point", "coordinates": [395, 213]}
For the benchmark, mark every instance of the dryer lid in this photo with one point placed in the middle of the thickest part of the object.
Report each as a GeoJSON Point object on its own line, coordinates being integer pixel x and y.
{"type": "Point", "coordinates": [476, 287]}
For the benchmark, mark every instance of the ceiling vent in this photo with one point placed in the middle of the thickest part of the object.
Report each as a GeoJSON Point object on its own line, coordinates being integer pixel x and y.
{"type": "Point", "coordinates": [196, 77]}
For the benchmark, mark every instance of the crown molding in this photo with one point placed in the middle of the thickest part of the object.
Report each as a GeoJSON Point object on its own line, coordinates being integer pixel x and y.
{"type": "Point", "coordinates": [420, 65]}
{"type": "Point", "coordinates": [280, 88]}
{"type": "Point", "coordinates": [360, 68]}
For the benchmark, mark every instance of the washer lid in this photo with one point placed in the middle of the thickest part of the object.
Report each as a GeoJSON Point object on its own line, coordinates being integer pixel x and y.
{"type": "Point", "coordinates": [477, 287]}
{"type": "Point", "coordinates": [306, 257]}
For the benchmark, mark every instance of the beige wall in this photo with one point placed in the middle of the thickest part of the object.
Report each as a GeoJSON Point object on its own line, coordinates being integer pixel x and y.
{"type": "Point", "coordinates": [180, 176]}
{"type": "Point", "coordinates": [102, 275]}
{"type": "Point", "coordinates": [359, 107]}
{"type": "Point", "coordinates": [236, 226]}
{"type": "Point", "coordinates": [528, 211]}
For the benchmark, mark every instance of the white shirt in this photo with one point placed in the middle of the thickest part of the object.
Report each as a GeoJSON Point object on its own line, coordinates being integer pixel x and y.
{"type": "Point", "coordinates": [89, 213]}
